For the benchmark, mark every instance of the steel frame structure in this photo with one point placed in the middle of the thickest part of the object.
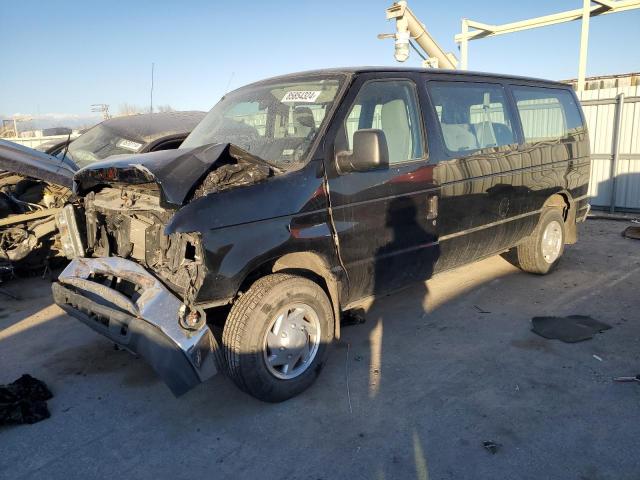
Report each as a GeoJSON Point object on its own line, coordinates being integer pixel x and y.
{"type": "Point", "coordinates": [472, 30]}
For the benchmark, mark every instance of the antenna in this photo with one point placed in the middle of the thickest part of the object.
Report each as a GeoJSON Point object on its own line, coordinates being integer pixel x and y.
{"type": "Point", "coordinates": [66, 149]}
{"type": "Point", "coordinates": [226, 90]}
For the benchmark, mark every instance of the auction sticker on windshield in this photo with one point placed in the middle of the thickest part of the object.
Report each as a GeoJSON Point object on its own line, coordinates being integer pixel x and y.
{"type": "Point", "coordinates": [306, 96]}
{"type": "Point", "coordinates": [129, 145]}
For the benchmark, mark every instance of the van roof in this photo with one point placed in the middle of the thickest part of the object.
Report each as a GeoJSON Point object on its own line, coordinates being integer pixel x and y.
{"type": "Point", "coordinates": [430, 71]}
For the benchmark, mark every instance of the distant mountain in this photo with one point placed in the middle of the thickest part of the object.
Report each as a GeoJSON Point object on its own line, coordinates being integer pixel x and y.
{"type": "Point", "coordinates": [51, 120]}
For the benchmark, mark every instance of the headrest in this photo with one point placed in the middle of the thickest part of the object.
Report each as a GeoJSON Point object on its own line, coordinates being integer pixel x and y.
{"type": "Point", "coordinates": [304, 116]}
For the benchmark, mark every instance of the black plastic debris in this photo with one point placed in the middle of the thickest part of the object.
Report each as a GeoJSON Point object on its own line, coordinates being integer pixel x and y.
{"type": "Point", "coordinates": [24, 401]}
{"type": "Point", "coordinates": [355, 316]}
{"type": "Point", "coordinates": [570, 329]}
{"type": "Point", "coordinates": [481, 310]}
{"type": "Point", "coordinates": [491, 447]}
{"type": "Point", "coordinates": [632, 232]}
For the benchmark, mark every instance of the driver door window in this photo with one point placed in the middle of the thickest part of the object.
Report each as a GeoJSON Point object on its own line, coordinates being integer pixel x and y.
{"type": "Point", "coordinates": [390, 106]}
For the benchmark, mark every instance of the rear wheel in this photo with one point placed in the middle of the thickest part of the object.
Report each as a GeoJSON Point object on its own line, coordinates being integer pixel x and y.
{"type": "Point", "coordinates": [541, 251]}
{"type": "Point", "coordinates": [277, 335]}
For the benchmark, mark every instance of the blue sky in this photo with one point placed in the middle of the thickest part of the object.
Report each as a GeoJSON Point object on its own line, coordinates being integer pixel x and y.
{"type": "Point", "coordinates": [63, 56]}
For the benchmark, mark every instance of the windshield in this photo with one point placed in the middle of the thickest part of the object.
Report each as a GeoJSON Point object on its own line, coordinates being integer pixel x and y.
{"type": "Point", "coordinates": [99, 143]}
{"type": "Point", "coordinates": [277, 122]}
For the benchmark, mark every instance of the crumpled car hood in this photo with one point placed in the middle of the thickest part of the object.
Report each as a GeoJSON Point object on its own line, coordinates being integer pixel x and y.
{"type": "Point", "coordinates": [176, 172]}
{"type": "Point", "coordinates": [29, 162]}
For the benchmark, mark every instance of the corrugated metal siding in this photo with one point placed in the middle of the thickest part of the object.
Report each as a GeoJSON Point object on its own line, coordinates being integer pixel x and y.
{"type": "Point", "coordinates": [601, 124]}
{"type": "Point", "coordinates": [542, 119]}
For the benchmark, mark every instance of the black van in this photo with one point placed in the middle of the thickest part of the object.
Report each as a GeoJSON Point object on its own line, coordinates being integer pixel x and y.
{"type": "Point", "coordinates": [299, 196]}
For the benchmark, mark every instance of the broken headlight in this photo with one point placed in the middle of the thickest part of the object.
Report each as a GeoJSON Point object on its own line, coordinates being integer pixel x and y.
{"type": "Point", "coordinates": [70, 238]}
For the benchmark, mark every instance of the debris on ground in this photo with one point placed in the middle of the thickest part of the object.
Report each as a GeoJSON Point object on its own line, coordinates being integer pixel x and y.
{"type": "Point", "coordinates": [355, 316]}
{"type": "Point", "coordinates": [632, 232]}
{"type": "Point", "coordinates": [569, 329]}
{"type": "Point", "coordinates": [627, 379]}
{"type": "Point", "coordinates": [597, 357]}
{"type": "Point", "coordinates": [491, 446]}
{"type": "Point", "coordinates": [480, 310]}
{"type": "Point", "coordinates": [24, 401]}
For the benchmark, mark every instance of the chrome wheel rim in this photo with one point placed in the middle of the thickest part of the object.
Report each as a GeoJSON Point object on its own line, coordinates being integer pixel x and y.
{"type": "Point", "coordinates": [552, 241]}
{"type": "Point", "coordinates": [292, 341]}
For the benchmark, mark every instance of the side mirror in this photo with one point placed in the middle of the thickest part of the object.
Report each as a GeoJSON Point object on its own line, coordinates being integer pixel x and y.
{"type": "Point", "coordinates": [370, 152]}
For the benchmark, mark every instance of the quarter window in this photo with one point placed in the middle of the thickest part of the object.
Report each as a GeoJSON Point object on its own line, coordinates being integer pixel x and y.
{"type": "Point", "coordinates": [390, 106]}
{"type": "Point", "coordinates": [472, 116]}
{"type": "Point", "coordinates": [546, 113]}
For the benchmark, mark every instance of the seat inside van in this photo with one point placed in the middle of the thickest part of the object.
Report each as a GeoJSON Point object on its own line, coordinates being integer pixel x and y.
{"type": "Point", "coordinates": [468, 122]}
{"type": "Point", "coordinates": [395, 125]}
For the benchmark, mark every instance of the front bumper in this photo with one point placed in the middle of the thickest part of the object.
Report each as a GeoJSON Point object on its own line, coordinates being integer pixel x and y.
{"type": "Point", "coordinates": [145, 323]}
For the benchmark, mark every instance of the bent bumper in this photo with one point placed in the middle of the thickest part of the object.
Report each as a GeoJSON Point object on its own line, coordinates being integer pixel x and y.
{"type": "Point", "coordinates": [145, 322]}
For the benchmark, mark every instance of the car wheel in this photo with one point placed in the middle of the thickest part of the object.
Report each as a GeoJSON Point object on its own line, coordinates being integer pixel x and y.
{"type": "Point", "coordinates": [541, 251]}
{"type": "Point", "coordinates": [277, 336]}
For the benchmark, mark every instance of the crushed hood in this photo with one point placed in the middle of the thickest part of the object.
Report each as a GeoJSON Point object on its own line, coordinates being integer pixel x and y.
{"type": "Point", "coordinates": [177, 173]}
{"type": "Point", "coordinates": [29, 162]}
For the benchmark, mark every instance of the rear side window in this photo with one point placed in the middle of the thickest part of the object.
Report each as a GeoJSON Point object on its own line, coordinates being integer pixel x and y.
{"type": "Point", "coordinates": [390, 106]}
{"type": "Point", "coordinates": [472, 116]}
{"type": "Point", "coordinates": [546, 113]}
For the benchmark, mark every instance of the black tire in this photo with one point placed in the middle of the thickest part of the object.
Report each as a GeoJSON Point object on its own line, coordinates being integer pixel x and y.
{"type": "Point", "coordinates": [529, 254]}
{"type": "Point", "coordinates": [252, 317]}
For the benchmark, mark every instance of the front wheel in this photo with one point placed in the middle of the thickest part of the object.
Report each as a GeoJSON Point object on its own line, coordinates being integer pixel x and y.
{"type": "Point", "coordinates": [277, 336]}
{"type": "Point", "coordinates": [541, 251]}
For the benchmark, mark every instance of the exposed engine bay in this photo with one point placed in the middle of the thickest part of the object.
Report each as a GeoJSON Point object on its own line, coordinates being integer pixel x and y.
{"type": "Point", "coordinates": [27, 220]}
{"type": "Point", "coordinates": [129, 223]}
{"type": "Point", "coordinates": [124, 207]}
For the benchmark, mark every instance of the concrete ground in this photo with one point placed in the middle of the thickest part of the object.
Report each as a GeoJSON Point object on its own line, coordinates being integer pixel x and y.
{"type": "Point", "coordinates": [414, 392]}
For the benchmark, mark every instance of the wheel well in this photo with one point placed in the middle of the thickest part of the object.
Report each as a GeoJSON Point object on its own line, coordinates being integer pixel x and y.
{"type": "Point", "coordinates": [564, 201]}
{"type": "Point", "coordinates": [305, 264]}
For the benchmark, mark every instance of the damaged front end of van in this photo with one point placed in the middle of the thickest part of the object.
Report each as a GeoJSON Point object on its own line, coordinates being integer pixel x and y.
{"type": "Point", "coordinates": [135, 279]}
{"type": "Point", "coordinates": [164, 244]}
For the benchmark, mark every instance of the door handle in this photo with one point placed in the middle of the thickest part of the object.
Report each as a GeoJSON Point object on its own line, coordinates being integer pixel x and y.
{"type": "Point", "coordinates": [432, 207]}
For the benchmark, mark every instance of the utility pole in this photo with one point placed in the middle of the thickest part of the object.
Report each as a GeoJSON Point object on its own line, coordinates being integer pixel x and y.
{"type": "Point", "coordinates": [102, 108]}
{"type": "Point", "coordinates": [152, 67]}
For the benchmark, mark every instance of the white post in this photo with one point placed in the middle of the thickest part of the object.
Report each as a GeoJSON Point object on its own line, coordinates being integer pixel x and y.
{"type": "Point", "coordinates": [584, 44]}
{"type": "Point", "coordinates": [464, 45]}
{"type": "Point", "coordinates": [616, 150]}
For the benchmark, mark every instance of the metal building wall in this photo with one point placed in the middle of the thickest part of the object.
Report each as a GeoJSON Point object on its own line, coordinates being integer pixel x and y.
{"type": "Point", "coordinates": [620, 179]}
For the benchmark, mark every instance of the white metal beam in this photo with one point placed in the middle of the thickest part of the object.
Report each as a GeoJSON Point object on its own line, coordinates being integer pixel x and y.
{"type": "Point", "coordinates": [584, 44]}
{"type": "Point", "coordinates": [604, 7]}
